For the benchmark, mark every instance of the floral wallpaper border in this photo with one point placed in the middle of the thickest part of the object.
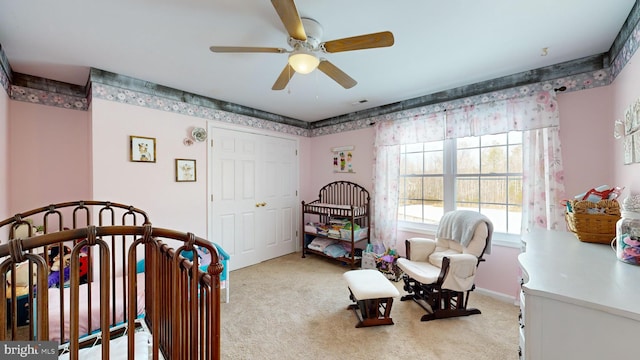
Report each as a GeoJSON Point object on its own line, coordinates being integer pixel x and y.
{"type": "Point", "coordinates": [112, 93]}
{"type": "Point", "coordinates": [4, 80]}
{"type": "Point", "coordinates": [628, 49]}
{"type": "Point", "coordinates": [4, 64]}
{"type": "Point", "coordinates": [49, 98]}
{"type": "Point", "coordinates": [572, 83]}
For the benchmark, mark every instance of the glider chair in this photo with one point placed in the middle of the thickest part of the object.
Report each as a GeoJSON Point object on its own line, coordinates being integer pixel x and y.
{"type": "Point", "coordinates": [439, 274]}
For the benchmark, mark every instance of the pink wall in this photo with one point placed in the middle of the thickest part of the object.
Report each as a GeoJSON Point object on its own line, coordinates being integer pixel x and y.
{"type": "Point", "coordinates": [626, 91]}
{"type": "Point", "coordinates": [150, 186]}
{"type": "Point", "coordinates": [50, 151]}
{"type": "Point", "coordinates": [586, 135]}
{"type": "Point", "coordinates": [322, 160]}
{"type": "Point", "coordinates": [4, 156]}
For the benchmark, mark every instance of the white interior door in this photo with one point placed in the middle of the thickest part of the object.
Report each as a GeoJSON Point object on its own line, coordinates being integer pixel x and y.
{"type": "Point", "coordinates": [254, 195]}
{"type": "Point", "coordinates": [277, 191]}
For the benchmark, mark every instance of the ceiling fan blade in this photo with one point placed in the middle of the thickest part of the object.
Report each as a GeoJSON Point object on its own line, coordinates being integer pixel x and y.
{"type": "Point", "coordinates": [288, 13]}
{"type": "Point", "coordinates": [336, 74]}
{"type": "Point", "coordinates": [246, 49]}
{"type": "Point", "coordinates": [369, 41]}
{"type": "Point", "coordinates": [284, 78]}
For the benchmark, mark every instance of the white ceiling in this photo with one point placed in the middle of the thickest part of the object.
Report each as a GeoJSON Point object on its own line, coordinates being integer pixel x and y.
{"type": "Point", "coordinates": [439, 45]}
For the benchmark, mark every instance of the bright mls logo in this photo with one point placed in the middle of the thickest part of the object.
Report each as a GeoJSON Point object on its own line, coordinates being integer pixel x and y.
{"type": "Point", "coordinates": [31, 350]}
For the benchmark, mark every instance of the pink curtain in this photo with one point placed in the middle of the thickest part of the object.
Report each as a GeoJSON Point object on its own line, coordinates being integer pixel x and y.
{"type": "Point", "coordinates": [543, 180]}
{"type": "Point", "coordinates": [537, 116]}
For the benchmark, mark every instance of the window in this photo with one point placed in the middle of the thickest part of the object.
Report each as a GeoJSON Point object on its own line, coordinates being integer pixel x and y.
{"type": "Point", "coordinates": [476, 173]}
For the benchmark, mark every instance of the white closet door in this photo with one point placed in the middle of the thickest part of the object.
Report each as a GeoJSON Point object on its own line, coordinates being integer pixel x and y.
{"type": "Point", "coordinates": [254, 195]}
{"type": "Point", "coordinates": [278, 188]}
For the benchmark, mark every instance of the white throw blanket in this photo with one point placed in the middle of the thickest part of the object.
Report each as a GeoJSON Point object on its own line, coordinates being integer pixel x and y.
{"type": "Point", "coordinates": [460, 225]}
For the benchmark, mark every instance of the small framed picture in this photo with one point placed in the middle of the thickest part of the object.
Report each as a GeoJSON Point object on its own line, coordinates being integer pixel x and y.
{"type": "Point", "coordinates": [185, 170]}
{"type": "Point", "coordinates": [143, 149]}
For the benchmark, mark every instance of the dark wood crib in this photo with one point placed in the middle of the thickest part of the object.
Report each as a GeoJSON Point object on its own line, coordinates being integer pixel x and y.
{"type": "Point", "coordinates": [118, 280]}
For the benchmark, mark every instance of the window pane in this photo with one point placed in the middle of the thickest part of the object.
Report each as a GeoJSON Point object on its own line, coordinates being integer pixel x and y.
{"type": "Point", "coordinates": [433, 145]}
{"type": "Point", "coordinates": [427, 212]}
{"type": "Point", "coordinates": [411, 210]}
{"type": "Point", "coordinates": [413, 164]}
{"type": "Point", "coordinates": [434, 189]}
{"type": "Point", "coordinates": [487, 178]}
{"type": "Point", "coordinates": [515, 158]}
{"type": "Point", "coordinates": [402, 193]}
{"type": "Point", "coordinates": [433, 211]}
{"type": "Point", "coordinates": [515, 219]}
{"type": "Point", "coordinates": [468, 161]}
{"type": "Point", "coordinates": [433, 162]}
{"type": "Point", "coordinates": [494, 160]}
{"type": "Point", "coordinates": [468, 142]}
{"type": "Point", "coordinates": [413, 147]}
{"type": "Point", "coordinates": [467, 189]}
{"type": "Point", "coordinates": [515, 137]}
{"type": "Point", "coordinates": [515, 190]}
{"type": "Point", "coordinates": [493, 190]}
{"type": "Point", "coordinates": [498, 216]}
{"type": "Point", "coordinates": [497, 139]}
{"type": "Point", "coordinates": [413, 188]}
{"type": "Point", "coordinates": [467, 206]}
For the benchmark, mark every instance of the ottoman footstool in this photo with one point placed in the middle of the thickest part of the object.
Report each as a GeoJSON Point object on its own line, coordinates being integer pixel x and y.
{"type": "Point", "coordinates": [373, 295]}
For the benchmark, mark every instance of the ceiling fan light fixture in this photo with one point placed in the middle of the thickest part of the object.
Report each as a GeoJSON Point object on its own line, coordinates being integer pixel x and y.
{"type": "Point", "coordinates": [303, 61]}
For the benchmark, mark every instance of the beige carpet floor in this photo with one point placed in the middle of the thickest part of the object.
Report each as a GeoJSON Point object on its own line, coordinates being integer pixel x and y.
{"type": "Point", "coordinates": [295, 308]}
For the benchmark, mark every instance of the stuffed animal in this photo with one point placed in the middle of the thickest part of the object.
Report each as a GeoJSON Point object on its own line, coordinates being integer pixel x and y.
{"type": "Point", "coordinates": [22, 274]}
{"type": "Point", "coordinates": [22, 279]}
{"type": "Point", "coordinates": [54, 277]}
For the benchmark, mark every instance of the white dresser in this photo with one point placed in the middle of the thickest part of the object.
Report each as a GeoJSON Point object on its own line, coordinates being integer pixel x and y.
{"type": "Point", "coordinates": [577, 300]}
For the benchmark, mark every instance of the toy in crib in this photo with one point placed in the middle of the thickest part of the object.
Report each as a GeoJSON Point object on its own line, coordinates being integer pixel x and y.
{"type": "Point", "coordinates": [64, 261]}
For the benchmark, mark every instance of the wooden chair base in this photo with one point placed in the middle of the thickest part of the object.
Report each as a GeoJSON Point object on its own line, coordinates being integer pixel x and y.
{"type": "Point", "coordinates": [372, 312]}
{"type": "Point", "coordinates": [442, 310]}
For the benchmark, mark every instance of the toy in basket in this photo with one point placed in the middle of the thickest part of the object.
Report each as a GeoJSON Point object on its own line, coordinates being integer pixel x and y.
{"type": "Point", "coordinates": [593, 221]}
{"type": "Point", "coordinates": [387, 265]}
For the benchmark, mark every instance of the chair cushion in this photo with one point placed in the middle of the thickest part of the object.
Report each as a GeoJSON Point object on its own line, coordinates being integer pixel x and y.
{"type": "Point", "coordinates": [423, 272]}
{"type": "Point", "coordinates": [436, 257]}
{"type": "Point", "coordinates": [369, 284]}
{"type": "Point", "coordinates": [475, 247]}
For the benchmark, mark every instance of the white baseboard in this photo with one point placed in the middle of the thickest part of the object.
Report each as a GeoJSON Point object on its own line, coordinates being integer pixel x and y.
{"type": "Point", "coordinates": [498, 296]}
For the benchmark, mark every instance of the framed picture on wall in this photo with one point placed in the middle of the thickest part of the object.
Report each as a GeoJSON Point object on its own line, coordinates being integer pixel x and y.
{"type": "Point", "coordinates": [342, 159]}
{"type": "Point", "coordinates": [185, 170]}
{"type": "Point", "coordinates": [143, 149]}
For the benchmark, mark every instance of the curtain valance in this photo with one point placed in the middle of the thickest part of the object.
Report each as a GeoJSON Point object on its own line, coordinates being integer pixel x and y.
{"type": "Point", "coordinates": [525, 113]}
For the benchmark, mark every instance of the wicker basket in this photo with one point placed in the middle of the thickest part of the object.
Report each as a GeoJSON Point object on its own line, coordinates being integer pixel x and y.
{"type": "Point", "coordinates": [595, 228]}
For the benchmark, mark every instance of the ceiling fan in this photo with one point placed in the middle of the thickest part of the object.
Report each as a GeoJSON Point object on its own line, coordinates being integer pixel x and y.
{"type": "Point", "coordinates": [305, 40]}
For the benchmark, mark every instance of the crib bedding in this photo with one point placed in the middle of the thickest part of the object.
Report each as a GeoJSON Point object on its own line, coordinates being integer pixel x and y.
{"type": "Point", "coordinates": [83, 311]}
{"type": "Point", "coordinates": [118, 348]}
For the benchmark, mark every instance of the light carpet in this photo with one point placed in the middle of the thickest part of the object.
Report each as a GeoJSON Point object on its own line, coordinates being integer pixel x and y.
{"type": "Point", "coordinates": [295, 308]}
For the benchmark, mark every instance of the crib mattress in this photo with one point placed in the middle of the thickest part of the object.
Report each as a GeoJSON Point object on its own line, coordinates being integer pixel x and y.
{"type": "Point", "coordinates": [118, 348]}
{"type": "Point", "coordinates": [54, 308]}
